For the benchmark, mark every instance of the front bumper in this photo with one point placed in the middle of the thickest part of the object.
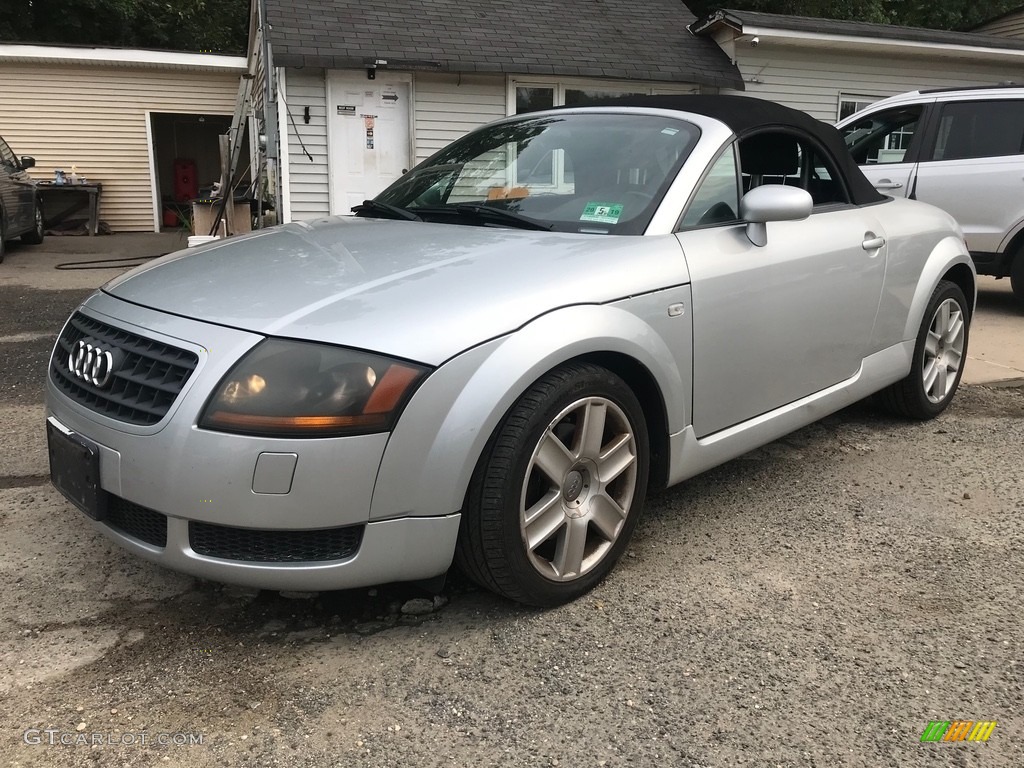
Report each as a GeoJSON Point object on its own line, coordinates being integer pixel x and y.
{"type": "Point", "coordinates": [408, 549]}
{"type": "Point", "coordinates": [179, 483]}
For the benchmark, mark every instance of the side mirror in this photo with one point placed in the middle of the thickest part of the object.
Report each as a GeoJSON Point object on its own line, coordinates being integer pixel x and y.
{"type": "Point", "coordinates": [772, 202]}
{"type": "Point", "coordinates": [28, 162]}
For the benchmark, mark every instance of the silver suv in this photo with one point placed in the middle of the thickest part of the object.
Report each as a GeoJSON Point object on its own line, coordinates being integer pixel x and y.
{"type": "Point", "coordinates": [962, 150]}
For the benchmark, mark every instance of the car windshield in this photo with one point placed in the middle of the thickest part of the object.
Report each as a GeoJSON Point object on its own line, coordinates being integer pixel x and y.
{"type": "Point", "coordinates": [598, 172]}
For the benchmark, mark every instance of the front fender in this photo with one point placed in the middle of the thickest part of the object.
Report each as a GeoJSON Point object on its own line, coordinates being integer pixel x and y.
{"type": "Point", "coordinates": [947, 254]}
{"type": "Point", "coordinates": [440, 436]}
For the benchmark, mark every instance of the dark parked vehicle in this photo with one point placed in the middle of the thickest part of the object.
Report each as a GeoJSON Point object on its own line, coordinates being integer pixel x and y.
{"type": "Point", "coordinates": [21, 212]}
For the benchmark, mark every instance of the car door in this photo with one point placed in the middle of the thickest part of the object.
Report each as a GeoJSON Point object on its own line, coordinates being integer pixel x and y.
{"type": "Point", "coordinates": [886, 145]}
{"type": "Point", "coordinates": [16, 193]}
{"type": "Point", "coordinates": [776, 323]}
{"type": "Point", "coordinates": [974, 168]}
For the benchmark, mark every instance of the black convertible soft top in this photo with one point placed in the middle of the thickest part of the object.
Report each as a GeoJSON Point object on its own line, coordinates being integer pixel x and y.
{"type": "Point", "coordinates": [746, 115]}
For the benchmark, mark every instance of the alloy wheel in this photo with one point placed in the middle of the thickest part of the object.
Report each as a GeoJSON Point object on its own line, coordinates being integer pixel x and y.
{"type": "Point", "coordinates": [578, 489]}
{"type": "Point", "coordinates": [943, 351]}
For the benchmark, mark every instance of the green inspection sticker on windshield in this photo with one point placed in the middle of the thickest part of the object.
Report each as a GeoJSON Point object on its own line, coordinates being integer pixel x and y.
{"type": "Point", "coordinates": [604, 213]}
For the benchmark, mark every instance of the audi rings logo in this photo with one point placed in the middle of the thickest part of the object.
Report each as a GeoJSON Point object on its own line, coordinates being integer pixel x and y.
{"type": "Point", "coordinates": [92, 363]}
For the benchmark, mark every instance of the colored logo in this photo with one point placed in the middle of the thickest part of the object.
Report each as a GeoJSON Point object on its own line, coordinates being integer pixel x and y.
{"type": "Point", "coordinates": [958, 730]}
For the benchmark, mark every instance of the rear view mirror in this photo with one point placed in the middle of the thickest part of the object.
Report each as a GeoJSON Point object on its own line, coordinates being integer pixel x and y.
{"type": "Point", "coordinates": [772, 202]}
{"type": "Point", "coordinates": [28, 162]}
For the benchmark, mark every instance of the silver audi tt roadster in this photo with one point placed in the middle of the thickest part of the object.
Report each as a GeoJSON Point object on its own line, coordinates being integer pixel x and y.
{"type": "Point", "coordinates": [494, 360]}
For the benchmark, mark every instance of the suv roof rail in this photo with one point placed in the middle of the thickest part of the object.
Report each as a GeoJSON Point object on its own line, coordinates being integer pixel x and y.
{"type": "Point", "coordinates": [998, 87]}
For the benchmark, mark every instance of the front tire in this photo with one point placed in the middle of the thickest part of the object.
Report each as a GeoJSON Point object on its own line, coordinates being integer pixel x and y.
{"type": "Point", "coordinates": [939, 357]}
{"type": "Point", "coordinates": [35, 237]}
{"type": "Point", "coordinates": [555, 497]}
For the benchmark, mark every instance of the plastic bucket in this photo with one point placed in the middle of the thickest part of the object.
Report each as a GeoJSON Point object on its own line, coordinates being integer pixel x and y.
{"type": "Point", "coordinates": [194, 240]}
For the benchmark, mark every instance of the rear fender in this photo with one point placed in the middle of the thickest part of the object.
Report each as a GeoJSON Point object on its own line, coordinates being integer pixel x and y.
{"type": "Point", "coordinates": [1012, 239]}
{"type": "Point", "coordinates": [946, 255]}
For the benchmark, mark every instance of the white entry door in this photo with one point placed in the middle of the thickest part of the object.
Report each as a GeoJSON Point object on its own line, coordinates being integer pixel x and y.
{"type": "Point", "coordinates": [369, 135]}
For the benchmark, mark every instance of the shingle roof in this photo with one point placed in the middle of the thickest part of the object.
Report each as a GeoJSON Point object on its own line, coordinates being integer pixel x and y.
{"type": "Point", "coordinates": [1018, 11]}
{"type": "Point", "coordinates": [854, 29]}
{"type": "Point", "coordinates": [589, 38]}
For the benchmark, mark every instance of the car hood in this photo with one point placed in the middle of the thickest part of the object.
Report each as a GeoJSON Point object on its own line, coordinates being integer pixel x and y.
{"type": "Point", "coordinates": [416, 290]}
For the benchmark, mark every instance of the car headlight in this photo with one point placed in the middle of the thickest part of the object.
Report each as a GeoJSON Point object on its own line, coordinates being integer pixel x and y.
{"type": "Point", "coordinates": [302, 389]}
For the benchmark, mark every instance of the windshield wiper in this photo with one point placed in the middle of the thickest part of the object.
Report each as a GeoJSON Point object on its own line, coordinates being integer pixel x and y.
{"type": "Point", "coordinates": [500, 214]}
{"type": "Point", "coordinates": [375, 206]}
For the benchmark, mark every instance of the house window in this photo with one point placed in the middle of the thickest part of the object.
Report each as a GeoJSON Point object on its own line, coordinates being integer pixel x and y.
{"type": "Point", "coordinates": [849, 104]}
{"type": "Point", "coordinates": [536, 95]}
{"type": "Point", "coordinates": [532, 99]}
{"type": "Point", "coordinates": [553, 170]}
{"type": "Point", "coordinates": [595, 96]}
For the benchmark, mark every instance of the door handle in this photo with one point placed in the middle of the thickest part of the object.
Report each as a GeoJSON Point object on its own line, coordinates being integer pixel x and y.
{"type": "Point", "coordinates": [888, 184]}
{"type": "Point", "coordinates": [873, 243]}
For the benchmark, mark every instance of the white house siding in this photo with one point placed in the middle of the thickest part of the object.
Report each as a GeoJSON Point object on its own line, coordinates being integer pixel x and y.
{"type": "Point", "coordinates": [445, 107]}
{"type": "Point", "coordinates": [813, 79]}
{"type": "Point", "coordinates": [450, 106]}
{"type": "Point", "coordinates": [1007, 26]}
{"type": "Point", "coordinates": [308, 180]}
{"type": "Point", "coordinates": [94, 117]}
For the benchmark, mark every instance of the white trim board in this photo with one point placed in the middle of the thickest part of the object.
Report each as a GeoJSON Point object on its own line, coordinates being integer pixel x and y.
{"type": "Point", "coordinates": [124, 56]}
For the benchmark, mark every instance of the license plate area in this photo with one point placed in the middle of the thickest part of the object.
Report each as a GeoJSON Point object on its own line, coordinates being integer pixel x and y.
{"type": "Point", "coordinates": [75, 470]}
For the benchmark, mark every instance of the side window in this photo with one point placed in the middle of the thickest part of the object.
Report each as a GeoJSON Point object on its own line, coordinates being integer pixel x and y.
{"type": "Point", "coordinates": [717, 198]}
{"type": "Point", "coordinates": [969, 129]}
{"type": "Point", "coordinates": [823, 180]}
{"type": "Point", "coordinates": [782, 158]}
{"type": "Point", "coordinates": [883, 137]}
{"type": "Point", "coordinates": [770, 158]}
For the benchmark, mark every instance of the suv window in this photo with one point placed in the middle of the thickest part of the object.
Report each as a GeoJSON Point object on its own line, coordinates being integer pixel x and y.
{"type": "Point", "coordinates": [883, 137]}
{"type": "Point", "coordinates": [970, 129]}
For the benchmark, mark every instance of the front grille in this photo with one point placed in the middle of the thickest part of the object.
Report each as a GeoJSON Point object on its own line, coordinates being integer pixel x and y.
{"type": "Point", "coordinates": [137, 521]}
{"type": "Point", "coordinates": [147, 378]}
{"type": "Point", "coordinates": [263, 546]}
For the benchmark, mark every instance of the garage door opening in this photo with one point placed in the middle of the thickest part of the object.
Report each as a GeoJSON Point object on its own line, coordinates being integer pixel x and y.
{"type": "Point", "coordinates": [186, 163]}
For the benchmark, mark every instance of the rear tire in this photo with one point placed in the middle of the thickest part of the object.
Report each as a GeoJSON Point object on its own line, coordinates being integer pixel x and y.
{"type": "Point", "coordinates": [35, 237]}
{"type": "Point", "coordinates": [557, 493]}
{"type": "Point", "coordinates": [1017, 275]}
{"type": "Point", "coordinates": [939, 357]}
{"type": "Point", "coordinates": [3, 237]}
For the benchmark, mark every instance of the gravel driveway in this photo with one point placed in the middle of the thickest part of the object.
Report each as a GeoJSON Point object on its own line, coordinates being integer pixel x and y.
{"type": "Point", "coordinates": [814, 603]}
